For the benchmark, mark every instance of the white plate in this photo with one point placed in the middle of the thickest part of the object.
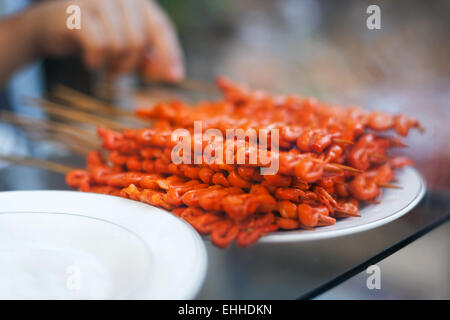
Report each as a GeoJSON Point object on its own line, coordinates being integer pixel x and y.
{"type": "Point", "coordinates": [394, 203]}
{"type": "Point", "coordinates": [73, 245]}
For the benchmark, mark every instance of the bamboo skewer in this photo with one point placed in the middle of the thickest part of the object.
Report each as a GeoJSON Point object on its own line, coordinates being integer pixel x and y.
{"type": "Point", "coordinates": [19, 119]}
{"type": "Point", "coordinates": [87, 103]}
{"type": "Point", "coordinates": [346, 168]}
{"type": "Point", "coordinates": [197, 85]}
{"type": "Point", "coordinates": [388, 185]}
{"type": "Point", "coordinates": [336, 166]}
{"type": "Point", "coordinates": [337, 140]}
{"type": "Point", "coordinates": [69, 143]}
{"type": "Point", "coordinates": [345, 213]}
{"type": "Point", "coordinates": [82, 137]}
{"type": "Point", "coordinates": [153, 94]}
{"type": "Point", "coordinates": [33, 162]}
{"type": "Point", "coordinates": [74, 115]}
{"type": "Point", "coordinates": [90, 104]}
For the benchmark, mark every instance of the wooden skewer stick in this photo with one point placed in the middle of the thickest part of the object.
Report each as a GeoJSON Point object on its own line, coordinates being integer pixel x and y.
{"type": "Point", "coordinates": [339, 167]}
{"type": "Point", "coordinates": [402, 145]}
{"type": "Point", "coordinates": [388, 185]}
{"type": "Point", "coordinates": [337, 140]}
{"type": "Point", "coordinates": [70, 143]}
{"type": "Point", "coordinates": [420, 128]}
{"type": "Point", "coordinates": [33, 162]}
{"type": "Point", "coordinates": [398, 143]}
{"type": "Point", "coordinates": [74, 115]}
{"type": "Point", "coordinates": [336, 166]}
{"type": "Point", "coordinates": [197, 85]}
{"type": "Point", "coordinates": [154, 94]}
{"type": "Point", "coordinates": [332, 168]}
{"type": "Point", "coordinates": [339, 214]}
{"type": "Point", "coordinates": [87, 103]}
{"type": "Point", "coordinates": [84, 137]}
{"type": "Point", "coordinates": [19, 119]}
{"type": "Point", "coordinates": [346, 168]}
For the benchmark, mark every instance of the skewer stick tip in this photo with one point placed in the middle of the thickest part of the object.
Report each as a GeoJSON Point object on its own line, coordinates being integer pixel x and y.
{"type": "Point", "coordinates": [388, 185]}
{"type": "Point", "coordinates": [346, 168]}
{"type": "Point", "coordinates": [337, 140]}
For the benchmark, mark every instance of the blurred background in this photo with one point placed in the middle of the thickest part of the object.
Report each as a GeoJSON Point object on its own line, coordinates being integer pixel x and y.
{"type": "Point", "coordinates": [313, 48]}
{"type": "Point", "coordinates": [324, 49]}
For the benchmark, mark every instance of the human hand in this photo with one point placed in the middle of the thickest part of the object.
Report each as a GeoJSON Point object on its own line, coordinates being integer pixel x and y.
{"type": "Point", "coordinates": [120, 35]}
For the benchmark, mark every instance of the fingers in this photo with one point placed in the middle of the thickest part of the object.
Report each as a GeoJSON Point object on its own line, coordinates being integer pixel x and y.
{"type": "Point", "coordinates": [165, 60]}
{"type": "Point", "coordinates": [112, 30]}
{"type": "Point", "coordinates": [92, 41]}
{"type": "Point", "coordinates": [124, 34]}
{"type": "Point", "coordinates": [134, 36]}
{"type": "Point", "coordinates": [121, 33]}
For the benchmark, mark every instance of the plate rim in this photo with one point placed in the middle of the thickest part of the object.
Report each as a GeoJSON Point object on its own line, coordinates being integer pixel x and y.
{"type": "Point", "coordinates": [202, 261]}
{"type": "Point", "coordinates": [310, 235]}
